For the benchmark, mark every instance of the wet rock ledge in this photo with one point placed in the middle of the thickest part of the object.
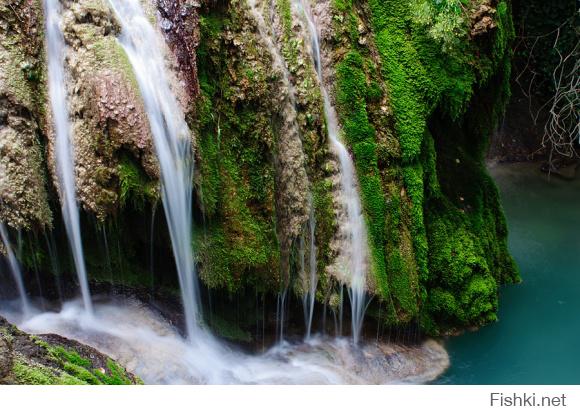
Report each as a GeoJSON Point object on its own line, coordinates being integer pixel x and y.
{"type": "Point", "coordinates": [54, 360]}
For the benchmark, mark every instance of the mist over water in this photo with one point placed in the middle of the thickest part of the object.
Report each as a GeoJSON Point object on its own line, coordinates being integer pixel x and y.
{"type": "Point", "coordinates": [147, 345]}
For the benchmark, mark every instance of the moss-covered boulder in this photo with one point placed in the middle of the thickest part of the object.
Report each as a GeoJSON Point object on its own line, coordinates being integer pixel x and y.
{"type": "Point", "coordinates": [110, 129]}
{"type": "Point", "coordinates": [53, 360]}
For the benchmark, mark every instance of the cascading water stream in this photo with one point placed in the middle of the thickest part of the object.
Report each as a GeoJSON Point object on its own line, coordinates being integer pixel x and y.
{"type": "Point", "coordinates": [15, 269]}
{"type": "Point", "coordinates": [278, 60]}
{"type": "Point", "coordinates": [291, 129]}
{"type": "Point", "coordinates": [64, 151]}
{"type": "Point", "coordinates": [356, 248]}
{"type": "Point", "coordinates": [309, 296]}
{"type": "Point", "coordinates": [172, 140]}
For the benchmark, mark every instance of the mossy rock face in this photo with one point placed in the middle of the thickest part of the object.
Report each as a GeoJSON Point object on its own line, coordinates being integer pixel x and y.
{"type": "Point", "coordinates": [236, 146]}
{"type": "Point", "coordinates": [410, 106]}
{"type": "Point", "coordinates": [23, 195]}
{"type": "Point", "coordinates": [415, 114]}
{"type": "Point", "coordinates": [53, 360]}
{"type": "Point", "coordinates": [259, 157]}
{"type": "Point", "coordinates": [108, 119]}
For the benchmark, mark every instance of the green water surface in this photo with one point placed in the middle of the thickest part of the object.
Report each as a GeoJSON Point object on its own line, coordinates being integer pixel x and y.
{"type": "Point", "coordinates": [537, 337]}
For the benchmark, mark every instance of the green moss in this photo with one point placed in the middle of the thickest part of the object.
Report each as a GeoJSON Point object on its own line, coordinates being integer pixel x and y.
{"type": "Point", "coordinates": [351, 98]}
{"type": "Point", "coordinates": [360, 103]}
{"type": "Point", "coordinates": [70, 369]}
{"type": "Point", "coordinates": [465, 292]}
{"type": "Point", "coordinates": [118, 375]}
{"type": "Point", "coordinates": [81, 373]}
{"type": "Point", "coordinates": [467, 233]}
{"type": "Point", "coordinates": [134, 184]}
{"type": "Point", "coordinates": [238, 243]}
{"type": "Point", "coordinates": [421, 76]}
{"type": "Point", "coordinates": [28, 373]}
{"type": "Point", "coordinates": [227, 330]}
{"type": "Point", "coordinates": [451, 208]}
{"type": "Point", "coordinates": [240, 236]}
{"type": "Point", "coordinates": [290, 42]}
{"type": "Point", "coordinates": [69, 356]}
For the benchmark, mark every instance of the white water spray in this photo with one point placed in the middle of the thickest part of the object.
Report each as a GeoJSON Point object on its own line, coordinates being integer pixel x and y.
{"type": "Point", "coordinates": [64, 151]}
{"type": "Point", "coordinates": [356, 249]}
{"type": "Point", "coordinates": [148, 346]}
{"type": "Point", "coordinates": [15, 269]}
{"type": "Point", "coordinates": [172, 140]}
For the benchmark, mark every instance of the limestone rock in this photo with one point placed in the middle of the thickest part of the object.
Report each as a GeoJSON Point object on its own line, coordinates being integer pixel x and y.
{"type": "Point", "coordinates": [482, 19]}
{"type": "Point", "coordinates": [23, 197]}
{"type": "Point", "coordinates": [107, 115]}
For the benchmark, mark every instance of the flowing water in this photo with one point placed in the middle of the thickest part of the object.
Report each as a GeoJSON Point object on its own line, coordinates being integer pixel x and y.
{"type": "Point", "coordinates": [141, 339]}
{"type": "Point", "coordinates": [356, 249]}
{"type": "Point", "coordinates": [15, 270]}
{"type": "Point", "coordinates": [63, 147]}
{"type": "Point", "coordinates": [150, 347]}
{"type": "Point", "coordinates": [537, 337]}
{"type": "Point", "coordinates": [535, 341]}
{"type": "Point", "coordinates": [309, 297]}
{"type": "Point", "coordinates": [290, 144]}
{"type": "Point", "coordinates": [172, 138]}
{"type": "Point", "coordinates": [278, 60]}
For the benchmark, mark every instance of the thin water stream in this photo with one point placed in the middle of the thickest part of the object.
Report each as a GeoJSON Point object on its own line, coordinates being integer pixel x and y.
{"type": "Point", "coordinates": [310, 274]}
{"type": "Point", "coordinates": [15, 270]}
{"type": "Point", "coordinates": [172, 138]}
{"type": "Point", "coordinates": [355, 251]}
{"type": "Point", "coordinates": [63, 146]}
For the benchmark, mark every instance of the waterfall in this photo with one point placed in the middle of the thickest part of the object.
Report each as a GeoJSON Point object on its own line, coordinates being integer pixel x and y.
{"type": "Point", "coordinates": [64, 151]}
{"type": "Point", "coordinates": [356, 248]}
{"type": "Point", "coordinates": [15, 269]}
{"type": "Point", "coordinates": [172, 141]}
{"type": "Point", "coordinates": [309, 296]}
{"type": "Point", "coordinates": [290, 140]}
